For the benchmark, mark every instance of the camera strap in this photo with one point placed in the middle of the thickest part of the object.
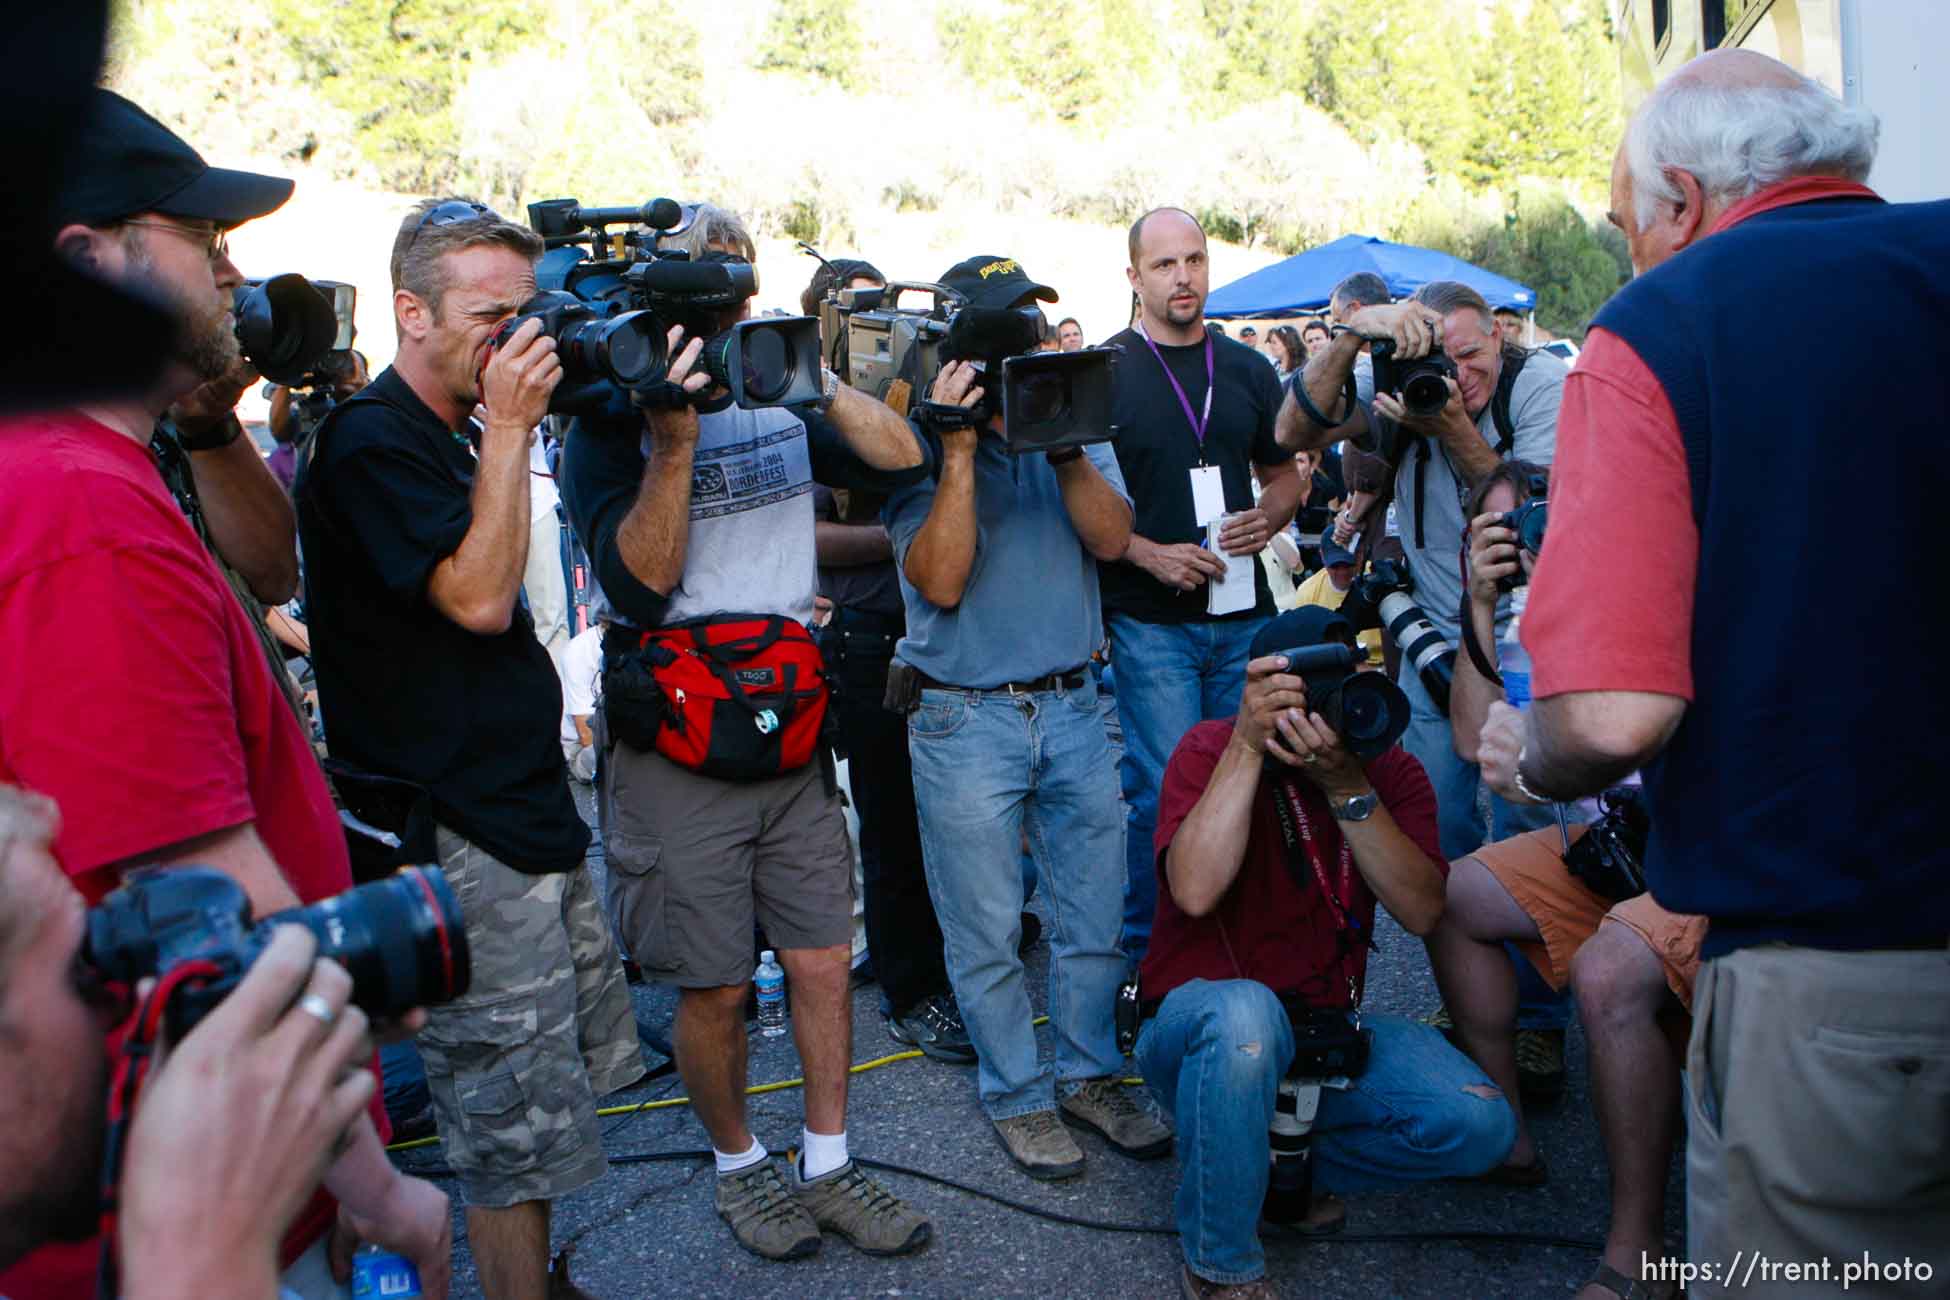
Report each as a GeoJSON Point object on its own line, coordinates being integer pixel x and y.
{"type": "Point", "coordinates": [131, 1068]}
{"type": "Point", "coordinates": [1296, 829]}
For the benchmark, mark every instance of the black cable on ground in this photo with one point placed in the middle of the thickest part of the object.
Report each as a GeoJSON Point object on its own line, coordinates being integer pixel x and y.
{"type": "Point", "coordinates": [1461, 1237]}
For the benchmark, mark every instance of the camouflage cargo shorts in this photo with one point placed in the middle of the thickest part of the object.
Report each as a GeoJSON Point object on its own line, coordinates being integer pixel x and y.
{"type": "Point", "coordinates": [546, 1028]}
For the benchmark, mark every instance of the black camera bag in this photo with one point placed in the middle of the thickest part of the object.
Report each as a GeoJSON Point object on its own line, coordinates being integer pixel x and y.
{"type": "Point", "coordinates": [1607, 858]}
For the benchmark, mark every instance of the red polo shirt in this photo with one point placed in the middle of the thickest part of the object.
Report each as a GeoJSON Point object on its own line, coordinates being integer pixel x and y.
{"type": "Point", "coordinates": [136, 695]}
{"type": "Point", "coordinates": [1268, 927]}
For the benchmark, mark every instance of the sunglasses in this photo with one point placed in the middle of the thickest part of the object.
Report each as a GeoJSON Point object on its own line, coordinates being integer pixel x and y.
{"type": "Point", "coordinates": [215, 240]}
{"type": "Point", "coordinates": [454, 212]}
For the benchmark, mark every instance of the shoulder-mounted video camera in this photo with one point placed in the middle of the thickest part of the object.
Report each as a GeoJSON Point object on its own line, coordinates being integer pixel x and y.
{"type": "Point", "coordinates": [609, 298]}
{"type": "Point", "coordinates": [892, 352]}
{"type": "Point", "coordinates": [1383, 598]}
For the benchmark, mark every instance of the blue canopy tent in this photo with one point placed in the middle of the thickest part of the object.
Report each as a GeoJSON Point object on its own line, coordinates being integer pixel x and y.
{"type": "Point", "coordinates": [1303, 282]}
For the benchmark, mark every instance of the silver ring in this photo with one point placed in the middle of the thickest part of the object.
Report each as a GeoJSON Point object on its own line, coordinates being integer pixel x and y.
{"type": "Point", "coordinates": [1310, 758]}
{"type": "Point", "coordinates": [316, 1005]}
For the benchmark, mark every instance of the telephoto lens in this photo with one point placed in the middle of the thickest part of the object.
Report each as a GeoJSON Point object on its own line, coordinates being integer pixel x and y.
{"type": "Point", "coordinates": [1290, 1185]}
{"type": "Point", "coordinates": [401, 939]}
{"type": "Point", "coordinates": [1421, 645]}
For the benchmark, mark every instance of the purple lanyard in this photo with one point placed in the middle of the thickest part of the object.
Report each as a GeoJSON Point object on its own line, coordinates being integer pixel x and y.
{"type": "Point", "coordinates": [1198, 422]}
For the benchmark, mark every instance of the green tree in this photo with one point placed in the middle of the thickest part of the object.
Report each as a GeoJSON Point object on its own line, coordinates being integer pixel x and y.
{"type": "Point", "coordinates": [817, 37]}
{"type": "Point", "coordinates": [1259, 42]}
{"type": "Point", "coordinates": [1079, 61]}
{"type": "Point", "coordinates": [1402, 68]}
{"type": "Point", "coordinates": [1546, 95]}
{"type": "Point", "coordinates": [397, 66]}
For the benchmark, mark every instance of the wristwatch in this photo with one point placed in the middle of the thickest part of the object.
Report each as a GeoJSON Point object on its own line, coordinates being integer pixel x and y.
{"type": "Point", "coordinates": [1354, 808]}
{"type": "Point", "coordinates": [828, 393]}
{"type": "Point", "coordinates": [216, 438]}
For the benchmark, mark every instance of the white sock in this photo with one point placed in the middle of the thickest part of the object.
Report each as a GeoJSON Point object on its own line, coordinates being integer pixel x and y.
{"type": "Point", "coordinates": [822, 1154]}
{"type": "Point", "coordinates": [731, 1164]}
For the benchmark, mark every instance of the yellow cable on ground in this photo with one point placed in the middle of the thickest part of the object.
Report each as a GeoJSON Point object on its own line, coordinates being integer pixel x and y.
{"type": "Point", "coordinates": [753, 1091]}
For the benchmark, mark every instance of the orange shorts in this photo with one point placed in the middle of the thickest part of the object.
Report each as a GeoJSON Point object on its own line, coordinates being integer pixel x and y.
{"type": "Point", "coordinates": [1567, 913]}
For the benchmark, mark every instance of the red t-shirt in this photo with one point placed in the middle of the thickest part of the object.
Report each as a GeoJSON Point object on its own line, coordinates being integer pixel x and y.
{"type": "Point", "coordinates": [1266, 927]}
{"type": "Point", "coordinates": [1620, 488]}
{"type": "Point", "coordinates": [136, 695]}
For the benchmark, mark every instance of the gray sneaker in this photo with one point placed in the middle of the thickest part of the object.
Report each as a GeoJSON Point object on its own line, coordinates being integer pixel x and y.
{"type": "Point", "coordinates": [1112, 1113]}
{"type": "Point", "coordinates": [1040, 1145]}
{"type": "Point", "coordinates": [766, 1218]}
{"type": "Point", "coordinates": [876, 1221]}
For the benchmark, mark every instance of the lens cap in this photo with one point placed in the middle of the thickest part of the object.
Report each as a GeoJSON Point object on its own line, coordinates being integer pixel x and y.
{"type": "Point", "coordinates": [284, 326]}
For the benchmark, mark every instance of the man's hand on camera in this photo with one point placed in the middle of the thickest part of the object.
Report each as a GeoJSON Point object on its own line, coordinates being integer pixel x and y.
{"type": "Point", "coordinates": [1270, 692]}
{"type": "Point", "coordinates": [1498, 750]}
{"type": "Point", "coordinates": [210, 403]}
{"type": "Point", "coordinates": [1452, 421]}
{"type": "Point", "coordinates": [1416, 328]}
{"type": "Point", "coordinates": [1245, 533]}
{"type": "Point", "coordinates": [517, 381]}
{"type": "Point", "coordinates": [1317, 749]}
{"type": "Point", "coordinates": [1492, 556]}
{"type": "Point", "coordinates": [959, 383]}
{"type": "Point", "coordinates": [416, 1222]}
{"type": "Point", "coordinates": [1184, 565]}
{"type": "Point", "coordinates": [668, 421]}
{"type": "Point", "coordinates": [239, 1121]}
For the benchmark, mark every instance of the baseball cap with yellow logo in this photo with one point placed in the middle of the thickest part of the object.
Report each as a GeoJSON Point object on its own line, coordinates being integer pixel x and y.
{"type": "Point", "coordinates": [991, 281]}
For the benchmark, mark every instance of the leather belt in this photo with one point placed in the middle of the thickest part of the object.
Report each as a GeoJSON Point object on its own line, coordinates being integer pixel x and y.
{"type": "Point", "coordinates": [1064, 681]}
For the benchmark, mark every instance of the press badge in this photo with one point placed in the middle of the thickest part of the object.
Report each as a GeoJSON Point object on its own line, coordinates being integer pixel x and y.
{"type": "Point", "coordinates": [1208, 494]}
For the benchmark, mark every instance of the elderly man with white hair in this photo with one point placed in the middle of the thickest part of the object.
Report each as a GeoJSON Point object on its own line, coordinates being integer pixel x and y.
{"type": "Point", "coordinates": [1671, 629]}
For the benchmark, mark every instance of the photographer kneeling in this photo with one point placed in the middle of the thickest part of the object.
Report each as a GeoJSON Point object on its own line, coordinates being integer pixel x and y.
{"type": "Point", "coordinates": [1269, 874]}
{"type": "Point", "coordinates": [1630, 962]}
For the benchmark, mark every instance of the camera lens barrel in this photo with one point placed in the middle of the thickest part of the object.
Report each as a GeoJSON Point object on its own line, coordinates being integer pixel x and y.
{"type": "Point", "coordinates": [1433, 658]}
{"type": "Point", "coordinates": [401, 939]}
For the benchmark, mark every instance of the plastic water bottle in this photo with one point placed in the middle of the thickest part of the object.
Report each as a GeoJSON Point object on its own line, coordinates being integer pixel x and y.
{"type": "Point", "coordinates": [771, 994]}
{"type": "Point", "coordinates": [1512, 660]}
{"type": "Point", "coordinates": [381, 1275]}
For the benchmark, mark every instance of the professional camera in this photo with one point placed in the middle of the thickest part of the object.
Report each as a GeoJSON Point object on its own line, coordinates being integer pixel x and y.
{"type": "Point", "coordinates": [1421, 382]}
{"type": "Point", "coordinates": [1328, 1045]}
{"type": "Point", "coordinates": [1383, 598]}
{"type": "Point", "coordinates": [609, 300]}
{"type": "Point", "coordinates": [1366, 710]}
{"type": "Point", "coordinates": [892, 352]}
{"type": "Point", "coordinates": [287, 323]}
{"type": "Point", "coordinates": [331, 377]}
{"type": "Point", "coordinates": [401, 939]}
{"type": "Point", "coordinates": [1527, 522]}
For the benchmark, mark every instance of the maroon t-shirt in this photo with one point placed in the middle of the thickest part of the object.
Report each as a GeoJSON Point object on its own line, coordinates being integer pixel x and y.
{"type": "Point", "coordinates": [1266, 927]}
{"type": "Point", "coordinates": [135, 694]}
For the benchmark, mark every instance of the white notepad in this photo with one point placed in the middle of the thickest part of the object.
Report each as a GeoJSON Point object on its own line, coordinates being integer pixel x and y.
{"type": "Point", "coordinates": [1234, 592]}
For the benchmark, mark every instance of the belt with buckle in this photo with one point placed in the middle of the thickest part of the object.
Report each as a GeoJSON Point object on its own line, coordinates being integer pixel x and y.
{"type": "Point", "coordinates": [1064, 681]}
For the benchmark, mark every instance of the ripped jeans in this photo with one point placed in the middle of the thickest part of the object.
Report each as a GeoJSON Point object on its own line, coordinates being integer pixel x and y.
{"type": "Point", "coordinates": [1214, 1055]}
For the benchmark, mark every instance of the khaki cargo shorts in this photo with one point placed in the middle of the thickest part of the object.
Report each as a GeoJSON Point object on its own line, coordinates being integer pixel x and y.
{"type": "Point", "coordinates": [546, 1028]}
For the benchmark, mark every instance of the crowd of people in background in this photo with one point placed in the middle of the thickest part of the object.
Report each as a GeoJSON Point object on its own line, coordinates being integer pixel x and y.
{"type": "Point", "coordinates": [1074, 672]}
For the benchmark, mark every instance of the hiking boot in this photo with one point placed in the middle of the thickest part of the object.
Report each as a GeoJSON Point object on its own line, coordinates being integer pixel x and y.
{"type": "Point", "coordinates": [934, 1025]}
{"type": "Point", "coordinates": [764, 1216]}
{"type": "Point", "coordinates": [1194, 1287]}
{"type": "Point", "coordinates": [869, 1216]}
{"type": "Point", "coordinates": [1540, 1065]}
{"type": "Point", "coordinates": [1116, 1116]}
{"type": "Point", "coordinates": [1040, 1145]}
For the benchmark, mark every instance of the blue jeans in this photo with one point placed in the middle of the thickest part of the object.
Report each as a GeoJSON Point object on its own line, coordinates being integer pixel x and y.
{"type": "Point", "coordinates": [987, 767]}
{"type": "Point", "coordinates": [1170, 678]}
{"type": "Point", "coordinates": [1214, 1055]}
{"type": "Point", "coordinates": [1459, 823]}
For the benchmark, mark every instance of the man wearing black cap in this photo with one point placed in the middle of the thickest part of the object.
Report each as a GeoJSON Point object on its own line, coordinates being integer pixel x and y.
{"type": "Point", "coordinates": [1268, 875]}
{"type": "Point", "coordinates": [167, 740]}
{"type": "Point", "coordinates": [998, 557]}
{"type": "Point", "coordinates": [1195, 415]}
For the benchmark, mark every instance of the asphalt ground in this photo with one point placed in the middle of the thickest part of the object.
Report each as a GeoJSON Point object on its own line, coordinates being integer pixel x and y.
{"type": "Point", "coordinates": [651, 1228]}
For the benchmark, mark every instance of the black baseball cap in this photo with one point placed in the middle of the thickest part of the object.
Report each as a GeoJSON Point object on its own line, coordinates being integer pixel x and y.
{"type": "Point", "coordinates": [123, 161]}
{"type": "Point", "coordinates": [991, 281]}
{"type": "Point", "coordinates": [1296, 629]}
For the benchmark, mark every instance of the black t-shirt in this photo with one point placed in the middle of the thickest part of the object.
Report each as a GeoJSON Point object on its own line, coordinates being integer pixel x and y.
{"type": "Point", "coordinates": [1157, 449]}
{"type": "Point", "coordinates": [405, 691]}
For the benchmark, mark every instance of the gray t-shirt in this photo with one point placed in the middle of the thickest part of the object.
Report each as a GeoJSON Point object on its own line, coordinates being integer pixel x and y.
{"type": "Point", "coordinates": [1437, 562]}
{"type": "Point", "coordinates": [1031, 606]}
{"type": "Point", "coordinates": [751, 541]}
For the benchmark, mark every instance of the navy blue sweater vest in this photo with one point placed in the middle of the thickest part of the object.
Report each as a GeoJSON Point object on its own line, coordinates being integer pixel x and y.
{"type": "Point", "coordinates": [1806, 352]}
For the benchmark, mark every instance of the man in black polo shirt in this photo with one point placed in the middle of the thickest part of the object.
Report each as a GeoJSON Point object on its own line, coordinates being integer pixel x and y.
{"type": "Point", "coordinates": [429, 672]}
{"type": "Point", "coordinates": [1194, 413]}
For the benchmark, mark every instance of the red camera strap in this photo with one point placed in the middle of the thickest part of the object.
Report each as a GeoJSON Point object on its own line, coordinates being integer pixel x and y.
{"type": "Point", "coordinates": [1297, 829]}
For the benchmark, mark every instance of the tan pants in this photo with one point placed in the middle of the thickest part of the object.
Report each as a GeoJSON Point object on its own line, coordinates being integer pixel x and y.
{"type": "Point", "coordinates": [1818, 1121]}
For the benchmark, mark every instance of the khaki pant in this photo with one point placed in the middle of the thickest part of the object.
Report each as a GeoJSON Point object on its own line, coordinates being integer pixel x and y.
{"type": "Point", "coordinates": [1818, 1122]}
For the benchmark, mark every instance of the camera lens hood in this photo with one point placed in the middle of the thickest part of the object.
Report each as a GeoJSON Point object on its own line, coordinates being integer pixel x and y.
{"type": "Point", "coordinates": [284, 326]}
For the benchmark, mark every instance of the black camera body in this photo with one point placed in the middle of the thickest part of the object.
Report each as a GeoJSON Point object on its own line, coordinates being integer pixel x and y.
{"type": "Point", "coordinates": [1047, 400]}
{"type": "Point", "coordinates": [1609, 857]}
{"type": "Point", "coordinates": [1421, 382]}
{"type": "Point", "coordinates": [628, 293]}
{"type": "Point", "coordinates": [401, 938]}
{"type": "Point", "coordinates": [1384, 598]}
{"type": "Point", "coordinates": [287, 325]}
{"type": "Point", "coordinates": [1527, 522]}
{"type": "Point", "coordinates": [1366, 710]}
